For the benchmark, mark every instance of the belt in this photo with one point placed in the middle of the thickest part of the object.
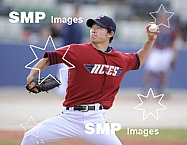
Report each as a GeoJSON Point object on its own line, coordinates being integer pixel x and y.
{"type": "Point", "coordinates": [85, 108]}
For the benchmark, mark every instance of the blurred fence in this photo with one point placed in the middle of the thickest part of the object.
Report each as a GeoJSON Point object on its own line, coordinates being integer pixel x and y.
{"type": "Point", "coordinates": [14, 57]}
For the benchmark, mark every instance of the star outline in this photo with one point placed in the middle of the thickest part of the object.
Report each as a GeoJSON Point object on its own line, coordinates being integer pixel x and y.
{"type": "Point", "coordinates": [36, 58]}
{"type": "Point", "coordinates": [150, 113]}
{"type": "Point", "coordinates": [168, 23]}
{"type": "Point", "coordinates": [26, 123]}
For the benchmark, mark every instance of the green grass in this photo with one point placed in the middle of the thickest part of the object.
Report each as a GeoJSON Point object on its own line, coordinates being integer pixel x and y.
{"type": "Point", "coordinates": [164, 135]}
{"type": "Point", "coordinates": [9, 143]}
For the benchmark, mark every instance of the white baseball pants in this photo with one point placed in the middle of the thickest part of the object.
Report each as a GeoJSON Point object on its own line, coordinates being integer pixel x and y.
{"type": "Point", "coordinates": [69, 124]}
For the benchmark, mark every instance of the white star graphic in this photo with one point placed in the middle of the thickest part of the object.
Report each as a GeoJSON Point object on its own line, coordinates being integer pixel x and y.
{"type": "Point", "coordinates": [36, 58]}
{"type": "Point", "coordinates": [150, 105]}
{"type": "Point", "coordinates": [30, 123]}
{"type": "Point", "coordinates": [166, 12]}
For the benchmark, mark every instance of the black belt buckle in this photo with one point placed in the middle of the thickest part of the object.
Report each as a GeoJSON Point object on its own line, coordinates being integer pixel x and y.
{"type": "Point", "coordinates": [85, 108]}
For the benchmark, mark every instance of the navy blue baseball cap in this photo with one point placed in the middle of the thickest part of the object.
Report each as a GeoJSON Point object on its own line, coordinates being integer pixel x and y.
{"type": "Point", "coordinates": [103, 21]}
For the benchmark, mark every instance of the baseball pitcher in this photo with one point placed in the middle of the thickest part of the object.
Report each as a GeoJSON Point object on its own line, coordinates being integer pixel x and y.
{"type": "Point", "coordinates": [92, 84]}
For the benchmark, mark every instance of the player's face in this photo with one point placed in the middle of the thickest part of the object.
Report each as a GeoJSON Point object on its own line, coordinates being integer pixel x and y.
{"type": "Point", "coordinates": [99, 34]}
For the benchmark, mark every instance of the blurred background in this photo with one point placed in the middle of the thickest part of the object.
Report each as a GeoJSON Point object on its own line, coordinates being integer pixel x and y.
{"type": "Point", "coordinates": [131, 17]}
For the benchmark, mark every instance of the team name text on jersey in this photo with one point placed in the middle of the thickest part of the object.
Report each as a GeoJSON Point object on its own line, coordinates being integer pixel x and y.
{"type": "Point", "coordinates": [103, 69]}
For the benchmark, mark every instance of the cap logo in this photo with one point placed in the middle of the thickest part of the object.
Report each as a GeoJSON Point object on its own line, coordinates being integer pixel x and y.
{"type": "Point", "coordinates": [111, 27]}
{"type": "Point", "coordinates": [99, 17]}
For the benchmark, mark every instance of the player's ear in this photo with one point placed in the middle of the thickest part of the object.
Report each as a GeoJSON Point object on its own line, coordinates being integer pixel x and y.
{"type": "Point", "coordinates": [111, 34]}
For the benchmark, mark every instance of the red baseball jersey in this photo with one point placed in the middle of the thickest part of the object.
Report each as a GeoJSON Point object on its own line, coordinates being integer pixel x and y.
{"type": "Point", "coordinates": [96, 77]}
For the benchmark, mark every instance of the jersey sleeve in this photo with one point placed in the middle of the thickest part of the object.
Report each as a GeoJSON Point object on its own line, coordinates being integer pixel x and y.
{"type": "Point", "coordinates": [65, 55]}
{"type": "Point", "coordinates": [132, 61]}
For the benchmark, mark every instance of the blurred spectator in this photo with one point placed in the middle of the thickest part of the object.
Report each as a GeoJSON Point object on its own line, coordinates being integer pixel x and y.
{"type": "Point", "coordinates": [140, 9]}
{"type": "Point", "coordinates": [56, 30]}
{"type": "Point", "coordinates": [45, 33]}
{"type": "Point", "coordinates": [163, 55]}
{"type": "Point", "coordinates": [4, 10]}
{"type": "Point", "coordinates": [184, 32]}
{"type": "Point", "coordinates": [70, 34]}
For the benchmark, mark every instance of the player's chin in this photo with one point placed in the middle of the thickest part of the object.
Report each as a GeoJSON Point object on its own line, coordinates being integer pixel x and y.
{"type": "Point", "coordinates": [93, 40]}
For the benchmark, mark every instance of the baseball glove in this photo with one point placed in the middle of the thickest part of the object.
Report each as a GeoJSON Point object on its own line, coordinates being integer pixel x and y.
{"type": "Point", "coordinates": [45, 86]}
